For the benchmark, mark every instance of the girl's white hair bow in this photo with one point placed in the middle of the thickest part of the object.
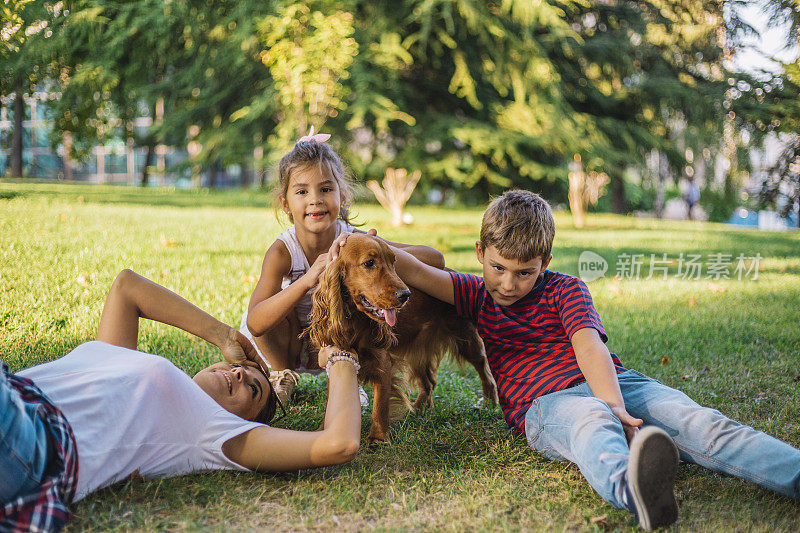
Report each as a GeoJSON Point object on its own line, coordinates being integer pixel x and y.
{"type": "Point", "coordinates": [319, 137]}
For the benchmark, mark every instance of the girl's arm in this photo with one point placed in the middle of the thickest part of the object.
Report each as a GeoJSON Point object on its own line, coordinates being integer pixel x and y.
{"type": "Point", "coordinates": [132, 296]}
{"type": "Point", "coordinates": [269, 305]}
{"type": "Point", "coordinates": [275, 449]}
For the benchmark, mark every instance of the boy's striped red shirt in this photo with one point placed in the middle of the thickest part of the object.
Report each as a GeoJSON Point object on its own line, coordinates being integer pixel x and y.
{"type": "Point", "coordinates": [528, 343]}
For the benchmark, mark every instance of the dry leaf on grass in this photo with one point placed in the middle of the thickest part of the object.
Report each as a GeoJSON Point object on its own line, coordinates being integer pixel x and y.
{"type": "Point", "coordinates": [716, 287]}
{"type": "Point", "coordinates": [249, 279]}
{"type": "Point", "coordinates": [665, 360]}
{"type": "Point", "coordinates": [601, 521]}
{"type": "Point", "coordinates": [692, 302]}
{"type": "Point", "coordinates": [168, 242]}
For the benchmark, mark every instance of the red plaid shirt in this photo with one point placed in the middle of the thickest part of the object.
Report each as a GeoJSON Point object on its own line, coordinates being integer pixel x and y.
{"type": "Point", "coordinates": [46, 508]}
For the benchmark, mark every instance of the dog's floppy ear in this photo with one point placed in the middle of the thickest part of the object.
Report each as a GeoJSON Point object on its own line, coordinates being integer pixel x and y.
{"type": "Point", "coordinates": [329, 321]}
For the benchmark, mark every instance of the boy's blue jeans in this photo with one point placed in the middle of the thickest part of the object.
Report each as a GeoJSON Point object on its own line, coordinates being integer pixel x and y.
{"type": "Point", "coordinates": [23, 443]}
{"type": "Point", "coordinates": [573, 425]}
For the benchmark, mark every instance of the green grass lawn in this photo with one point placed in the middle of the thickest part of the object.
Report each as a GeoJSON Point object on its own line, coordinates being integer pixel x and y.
{"type": "Point", "coordinates": [731, 344]}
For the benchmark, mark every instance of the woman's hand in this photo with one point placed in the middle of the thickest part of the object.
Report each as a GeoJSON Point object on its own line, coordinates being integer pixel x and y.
{"type": "Point", "coordinates": [326, 351]}
{"type": "Point", "coordinates": [236, 349]}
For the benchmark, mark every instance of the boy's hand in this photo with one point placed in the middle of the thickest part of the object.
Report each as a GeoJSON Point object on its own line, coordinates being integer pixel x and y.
{"type": "Point", "coordinates": [338, 242]}
{"type": "Point", "coordinates": [629, 423]}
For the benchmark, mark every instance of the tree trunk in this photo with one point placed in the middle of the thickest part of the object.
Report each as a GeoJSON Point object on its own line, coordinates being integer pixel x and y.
{"type": "Point", "coordinates": [577, 183]}
{"type": "Point", "coordinates": [246, 177]}
{"type": "Point", "coordinates": [150, 142]}
{"type": "Point", "coordinates": [619, 204]}
{"type": "Point", "coordinates": [16, 138]}
{"type": "Point", "coordinates": [661, 177]}
{"type": "Point", "coordinates": [212, 175]}
{"type": "Point", "coordinates": [148, 161]}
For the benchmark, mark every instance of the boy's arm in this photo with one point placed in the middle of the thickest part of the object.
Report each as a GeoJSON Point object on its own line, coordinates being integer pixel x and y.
{"type": "Point", "coordinates": [594, 360]}
{"type": "Point", "coordinates": [132, 296]}
{"type": "Point", "coordinates": [426, 254]}
{"type": "Point", "coordinates": [428, 279]}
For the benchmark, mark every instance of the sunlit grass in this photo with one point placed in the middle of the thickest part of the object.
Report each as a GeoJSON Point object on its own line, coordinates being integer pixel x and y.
{"type": "Point", "coordinates": [732, 344]}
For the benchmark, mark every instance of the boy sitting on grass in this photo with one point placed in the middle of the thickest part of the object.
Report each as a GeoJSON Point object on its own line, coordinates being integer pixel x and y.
{"type": "Point", "coordinates": [574, 400]}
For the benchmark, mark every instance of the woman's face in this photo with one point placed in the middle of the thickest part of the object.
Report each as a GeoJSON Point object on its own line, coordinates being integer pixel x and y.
{"type": "Point", "coordinates": [242, 390]}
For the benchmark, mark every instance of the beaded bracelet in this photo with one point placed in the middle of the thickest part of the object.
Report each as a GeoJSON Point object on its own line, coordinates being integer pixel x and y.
{"type": "Point", "coordinates": [341, 356]}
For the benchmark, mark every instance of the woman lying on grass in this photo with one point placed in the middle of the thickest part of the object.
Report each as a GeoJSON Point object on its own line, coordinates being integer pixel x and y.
{"type": "Point", "coordinates": [105, 411]}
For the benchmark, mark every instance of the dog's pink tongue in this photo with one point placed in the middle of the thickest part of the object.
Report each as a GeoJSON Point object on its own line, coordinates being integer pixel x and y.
{"type": "Point", "coordinates": [390, 315]}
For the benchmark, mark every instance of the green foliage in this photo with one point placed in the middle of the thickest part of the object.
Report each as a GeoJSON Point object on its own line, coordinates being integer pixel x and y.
{"type": "Point", "coordinates": [479, 96]}
{"type": "Point", "coordinates": [719, 204]}
{"type": "Point", "coordinates": [308, 53]}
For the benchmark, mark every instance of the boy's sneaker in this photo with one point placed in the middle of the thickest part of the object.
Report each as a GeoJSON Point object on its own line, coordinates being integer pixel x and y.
{"type": "Point", "coordinates": [652, 465]}
{"type": "Point", "coordinates": [283, 382]}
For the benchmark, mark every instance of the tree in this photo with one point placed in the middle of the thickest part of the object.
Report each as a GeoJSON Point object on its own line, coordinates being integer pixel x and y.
{"type": "Point", "coordinates": [308, 49]}
{"type": "Point", "coordinates": [198, 61]}
{"type": "Point", "coordinates": [462, 91]}
{"type": "Point", "coordinates": [783, 178]}
{"type": "Point", "coordinates": [24, 28]}
{"type": "Point", "coordinates": [397, 188]}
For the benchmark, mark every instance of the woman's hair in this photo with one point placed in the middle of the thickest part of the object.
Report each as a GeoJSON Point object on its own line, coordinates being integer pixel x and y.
{"type": "Point", "coordinates": [306, 153]}
{"type": "Point", "coordinates": [267, 412]}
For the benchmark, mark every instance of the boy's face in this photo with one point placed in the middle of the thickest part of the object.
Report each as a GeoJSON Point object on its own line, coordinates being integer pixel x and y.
{"type": "Point", "coordinates": [508, 280]}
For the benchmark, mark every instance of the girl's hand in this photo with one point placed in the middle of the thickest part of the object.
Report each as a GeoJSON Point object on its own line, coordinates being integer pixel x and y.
{"type": "Point", "coordinates": [315, 271]}
{"type": "Point", "coordinates": [339, 241]}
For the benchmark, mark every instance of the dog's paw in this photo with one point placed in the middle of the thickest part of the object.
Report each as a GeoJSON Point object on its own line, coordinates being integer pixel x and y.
{"type": "Point", "coordinates": [493, 400]}
{"type": "Point", "coordinates": [377, 436]}
{"type": "Point", "coordinates": [423, 403]}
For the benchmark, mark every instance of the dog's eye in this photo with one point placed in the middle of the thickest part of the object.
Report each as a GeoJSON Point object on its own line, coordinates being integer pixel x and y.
{"type": "Point", "coordinates": [370, 263]}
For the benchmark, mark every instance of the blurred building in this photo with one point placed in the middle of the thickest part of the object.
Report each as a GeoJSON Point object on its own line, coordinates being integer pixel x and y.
{"type": "Point", "coordinates": [118, 161]}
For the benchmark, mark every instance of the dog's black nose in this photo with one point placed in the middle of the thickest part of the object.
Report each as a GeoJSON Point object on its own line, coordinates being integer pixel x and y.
{"type": "Point", "coordinates": [403, 295]}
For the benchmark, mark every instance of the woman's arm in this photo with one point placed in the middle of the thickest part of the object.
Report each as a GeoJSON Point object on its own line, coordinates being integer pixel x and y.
{"type": "Point", "coordinates": [269, 305]}
{"type": "Point", "coordinates": [275, 449]}
{"type": "Point", "coordinates": [132, 296]}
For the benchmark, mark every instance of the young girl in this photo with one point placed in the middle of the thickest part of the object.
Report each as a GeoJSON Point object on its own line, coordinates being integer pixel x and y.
{"type": "Point", "coordinates": [315, 194]}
